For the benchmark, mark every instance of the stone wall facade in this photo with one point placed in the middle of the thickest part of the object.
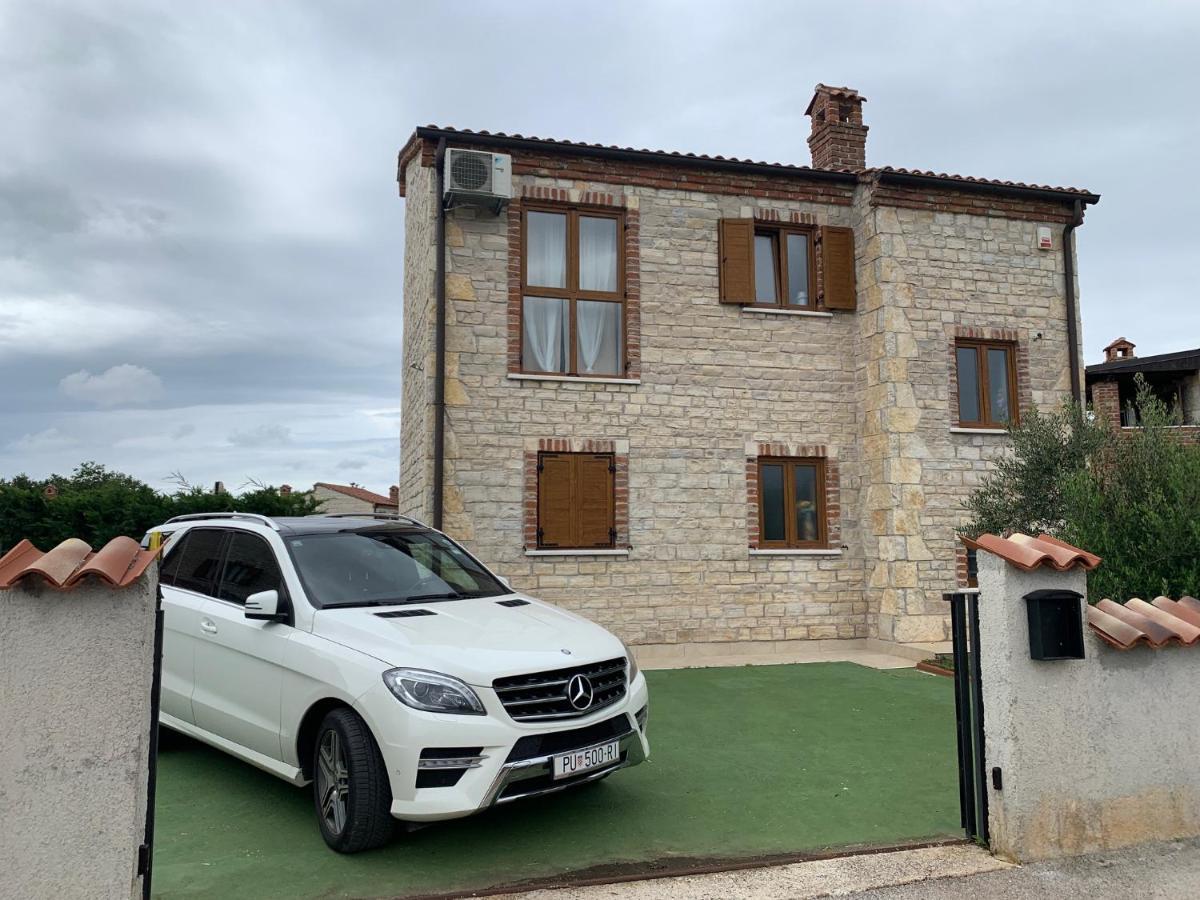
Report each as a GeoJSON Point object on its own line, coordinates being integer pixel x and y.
{"type": "Point", "coordinates": [871, 388]}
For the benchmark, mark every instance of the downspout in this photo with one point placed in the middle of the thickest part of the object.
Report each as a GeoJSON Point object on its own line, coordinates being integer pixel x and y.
{"type": "Point", "coordinates": [1068, 242]}
{"type": "Point", "coordinates": [439, 374]}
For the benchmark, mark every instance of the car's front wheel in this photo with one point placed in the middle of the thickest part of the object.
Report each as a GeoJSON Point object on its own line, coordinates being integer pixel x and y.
{"type": "Point", "coordinates": [350, 785]}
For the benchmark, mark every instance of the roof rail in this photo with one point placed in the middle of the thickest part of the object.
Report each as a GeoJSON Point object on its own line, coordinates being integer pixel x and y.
{"type": "Point", "coordinates": [368, 515]}
{"type": "Point", "coordinates": [197, 517]}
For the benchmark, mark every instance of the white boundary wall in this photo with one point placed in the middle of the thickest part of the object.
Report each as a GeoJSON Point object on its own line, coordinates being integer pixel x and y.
{"type": "Point", "coordinates": [1095, 753]}
{"type": "Point", "coordinates": [75, 678]}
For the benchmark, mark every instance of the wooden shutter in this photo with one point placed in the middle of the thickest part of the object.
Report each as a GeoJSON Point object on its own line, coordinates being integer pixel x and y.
{"type": "Point", "coordinates": [555, 474]}
{"type": "Point", "coordinates": [594, 500]}
{"type": "Point", "coordinates": [837, 260]}
{"type": "Point", "coordinates": [735, 246]}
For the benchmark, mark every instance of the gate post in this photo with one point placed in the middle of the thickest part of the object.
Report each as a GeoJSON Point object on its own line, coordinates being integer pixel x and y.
{"type": "Point", "coordinates": [1025, 700]}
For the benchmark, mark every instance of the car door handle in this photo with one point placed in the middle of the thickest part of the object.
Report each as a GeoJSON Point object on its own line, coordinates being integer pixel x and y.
{"type": "Point", "coordinates": [208, 626]}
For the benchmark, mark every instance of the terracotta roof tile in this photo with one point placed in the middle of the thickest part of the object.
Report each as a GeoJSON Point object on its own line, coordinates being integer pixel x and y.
{"type": "Point", "coordinates": [783, 168]}
{"type": "Point", "coordinates": [357, 493]}
{"type": "Point", "coordinates": [1030, 553]}
{"type": "Point", "coordinates": [1157, 624]}
{"type": "Point", "coordinates": [120, 562]}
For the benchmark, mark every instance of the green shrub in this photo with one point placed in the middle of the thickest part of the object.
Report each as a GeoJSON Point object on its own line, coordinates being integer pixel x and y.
{"type": "Point", "coordinates": [1130, 496]}
{"type": "Point", "coordinates": [97, 505]}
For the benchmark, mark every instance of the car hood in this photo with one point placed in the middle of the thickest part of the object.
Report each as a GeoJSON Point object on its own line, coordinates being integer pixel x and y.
{"type": "Point", "coordinates": [475, 639]}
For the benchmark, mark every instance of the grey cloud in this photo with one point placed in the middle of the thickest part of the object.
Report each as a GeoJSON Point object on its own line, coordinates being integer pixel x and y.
{"type": "Point", "coordinates": [208, 194]}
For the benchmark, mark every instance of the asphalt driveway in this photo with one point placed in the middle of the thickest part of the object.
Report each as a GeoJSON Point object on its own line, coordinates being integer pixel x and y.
{"type": "Point", "coordinates": [747, 762]}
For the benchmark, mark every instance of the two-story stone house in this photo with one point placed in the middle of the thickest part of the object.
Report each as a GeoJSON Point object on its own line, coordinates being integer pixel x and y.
{"type": "Point", "coordinates": [703, 399]}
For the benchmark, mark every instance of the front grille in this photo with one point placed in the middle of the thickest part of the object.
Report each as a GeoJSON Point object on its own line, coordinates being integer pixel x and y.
{"type": "Point", "coordinates": [533, 746]}
{"type": "Point", "coordinates": [542, 696]}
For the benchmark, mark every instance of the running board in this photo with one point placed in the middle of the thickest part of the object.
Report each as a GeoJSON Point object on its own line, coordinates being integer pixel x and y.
{"type": "Point", "coordinates": [290, 774]}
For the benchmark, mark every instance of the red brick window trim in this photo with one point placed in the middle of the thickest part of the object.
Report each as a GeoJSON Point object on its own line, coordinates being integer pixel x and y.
{"type": "Point", "coordinates": [620, 453]}
{"type": "Point", "coordinates": [755, 453]}
{"type": "Point", "coordinates": [573, 199]}
{"type": "Point", "coordinates": [1011, 336]}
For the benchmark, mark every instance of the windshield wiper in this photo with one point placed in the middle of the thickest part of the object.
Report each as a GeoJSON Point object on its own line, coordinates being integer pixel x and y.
{"type": "Point", "coordinates": [350, 604]}
{"type": "Point", "coordinates": [449, 595]}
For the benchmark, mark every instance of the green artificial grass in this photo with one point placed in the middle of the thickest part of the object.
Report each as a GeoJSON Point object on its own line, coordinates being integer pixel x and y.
{"type": "Point", "coordinates": [745, 762]}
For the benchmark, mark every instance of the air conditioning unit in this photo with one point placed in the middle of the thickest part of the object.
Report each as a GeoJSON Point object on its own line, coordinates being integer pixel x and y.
{"type": "Point", "coordinates": [478, 177]}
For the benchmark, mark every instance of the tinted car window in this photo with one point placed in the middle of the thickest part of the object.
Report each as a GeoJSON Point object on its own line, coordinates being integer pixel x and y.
{"type": "Point", "coordinates": [200, 559]}
{"type": "Point", "coordinates": [170, 563]}
{"type": "Point", "coordinates": [250, 567]}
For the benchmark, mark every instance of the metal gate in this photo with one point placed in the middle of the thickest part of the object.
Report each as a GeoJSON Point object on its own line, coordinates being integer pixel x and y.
{"type": "Point", "coordinates": [968, 712]}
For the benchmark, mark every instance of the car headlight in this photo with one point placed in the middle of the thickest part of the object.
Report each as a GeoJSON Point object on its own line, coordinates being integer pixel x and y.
{"type": "Point", "coordinates": [433, 692]}
{"type": "Point", "coordinates": [633, 666]}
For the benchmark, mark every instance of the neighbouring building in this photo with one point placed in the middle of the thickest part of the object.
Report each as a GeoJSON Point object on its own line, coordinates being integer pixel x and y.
{"type": "Point", "coordinates": [1173, 377]}
{"type": "Point", "coordinates": [350, 498]}
{"type": "Point", "coordinates": [703, 399]}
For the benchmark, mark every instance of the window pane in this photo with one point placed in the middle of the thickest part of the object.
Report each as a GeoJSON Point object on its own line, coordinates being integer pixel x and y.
{"type": "Point", "coordinates": [764, 268]}
{"type": "Point", "coordinates": [998, 384]}
{"type": "Point", "coordinates": [968, 384]}
{"type": "Point", "coordinates": [598, 329]}
{"type": "Point", "coordinates": [544, 332]}
{"type": "Point", "coordinates": [201, 554]}
{"type": "Point", "coordinates": [807, 526]}
{"type": "Point", "coordinates": [770, 494]}
{"type": "Point", "coordinates": [546, 249]}
{"type": "Point", "coordinates": [597, 254]}
{"type": "Point", "coordinates": [250, 567]}
{"type": "Point", "coordinates": [797, 259]}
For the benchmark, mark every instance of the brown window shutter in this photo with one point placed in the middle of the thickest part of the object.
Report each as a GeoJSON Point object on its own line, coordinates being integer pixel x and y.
{"type": "Point", "coordinates": [594, 500]}
{"type": "Point", "coordinates": [735, 246]}
{"type": "Point", "coordinates": [837, 260]}
{"type": "Point", "coordinates": [555, 476]}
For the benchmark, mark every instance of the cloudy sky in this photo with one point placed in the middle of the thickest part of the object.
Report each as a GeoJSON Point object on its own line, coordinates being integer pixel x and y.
{"type": "Point", "coordinates": [201, 245]}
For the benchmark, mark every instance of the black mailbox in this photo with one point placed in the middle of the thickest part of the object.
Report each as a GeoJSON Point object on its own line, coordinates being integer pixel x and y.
{"type": "Point", "coordinates": [1055, 624]}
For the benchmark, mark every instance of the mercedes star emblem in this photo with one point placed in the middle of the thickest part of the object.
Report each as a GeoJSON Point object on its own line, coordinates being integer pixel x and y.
{"type": "Point", "coordinates": [579, 692]}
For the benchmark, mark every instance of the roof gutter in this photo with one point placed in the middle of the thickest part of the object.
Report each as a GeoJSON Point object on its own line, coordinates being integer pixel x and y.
{"type": "Point", "coordinates": [439, 374]}
{"type": "Point", "coordinates": [1068, 243]}
{"type": "Point", "coordinates": [986, 187]}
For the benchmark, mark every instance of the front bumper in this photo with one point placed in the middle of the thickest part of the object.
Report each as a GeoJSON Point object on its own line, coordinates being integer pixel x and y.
{"type": "Point", "coordinates": [512, 759]}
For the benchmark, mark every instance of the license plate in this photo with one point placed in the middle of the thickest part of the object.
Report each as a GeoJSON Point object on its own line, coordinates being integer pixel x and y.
{"type": "Point", "coordinates": [567, 765]}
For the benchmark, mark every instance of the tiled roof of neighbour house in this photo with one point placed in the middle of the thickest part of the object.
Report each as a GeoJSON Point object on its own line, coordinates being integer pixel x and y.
{"type": "Point", "coordinates": [1156, 624]}
{"type": "Point", "coordinates": [357, 493]}
{"type": "Point", "coordinates": [120, 562]}
{"type": "Point", "coordinates": [520, 141]}
{"type": "Point", "coordinates": [1031, 553]}
{"type": "Point", "coordinates": [1178, 361]}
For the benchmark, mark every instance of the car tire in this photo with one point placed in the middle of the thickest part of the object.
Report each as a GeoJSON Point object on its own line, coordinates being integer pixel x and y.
{"type": "Point", "coordinates": [351, 792]}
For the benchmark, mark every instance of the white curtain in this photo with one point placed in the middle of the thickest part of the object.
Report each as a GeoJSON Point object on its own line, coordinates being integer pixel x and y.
{"type": "Point", "coordinates": [597, 254]}
{"type": "Point", "coordinates": [598, 326]}
{"type": "Point", "coordinates": [546, 250]}
{"type": "Point", "coordinates": [544, 345]}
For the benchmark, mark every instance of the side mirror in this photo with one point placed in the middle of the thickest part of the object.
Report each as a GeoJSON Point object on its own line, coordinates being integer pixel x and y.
{"type": "Point", "coordinates": [264, 606]}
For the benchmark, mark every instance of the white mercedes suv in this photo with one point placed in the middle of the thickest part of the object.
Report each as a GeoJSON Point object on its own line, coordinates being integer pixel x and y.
{"type": "Point", "coordinates": [379, 660]}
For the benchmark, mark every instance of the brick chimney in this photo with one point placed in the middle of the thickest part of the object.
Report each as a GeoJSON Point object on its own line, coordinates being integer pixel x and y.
{"type": "Point", "coordinates": [839, 137]}
{"type": "Point", "coordinates": [1119, 349]}
{"type": "Point", "coordinates": [394, 494]}
{"type": "Point", "coordinates": [285, 489]}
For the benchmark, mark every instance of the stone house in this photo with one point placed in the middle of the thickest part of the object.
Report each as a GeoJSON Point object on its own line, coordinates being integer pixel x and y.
{"type": "Point", "coordinates": [350, 498]}
{"type": "Point", "coordinates": [1173, 377]}
{"type": "Point", "coordinates": [707, 400]}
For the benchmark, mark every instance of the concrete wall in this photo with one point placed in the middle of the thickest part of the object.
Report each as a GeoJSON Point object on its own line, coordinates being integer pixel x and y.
{"type": "Point", "coordinates": [872, 387]}
{"type": "Point", "coordinates": [75, 679]}
{"type": "Point", "coordinates": [1096, 753]}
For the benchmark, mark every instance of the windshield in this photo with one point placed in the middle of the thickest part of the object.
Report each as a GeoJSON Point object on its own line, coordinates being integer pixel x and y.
{"type": "Point", "coordinates": [384, 567]}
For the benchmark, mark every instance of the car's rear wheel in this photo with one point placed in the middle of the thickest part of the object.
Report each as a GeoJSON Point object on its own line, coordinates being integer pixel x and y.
{"type": "Point", "coordinates": [351, 792]}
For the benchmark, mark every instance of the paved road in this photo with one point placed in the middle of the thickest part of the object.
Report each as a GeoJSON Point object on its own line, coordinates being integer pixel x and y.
{"type": "Point", "coordinates": [1154, 872]}
{"type": "Point", "coordinates": [1168, 871]}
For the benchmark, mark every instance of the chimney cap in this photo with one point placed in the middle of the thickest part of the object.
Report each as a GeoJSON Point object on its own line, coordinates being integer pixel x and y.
{"type": "Point", "coordinates": [1121, 342]}
{"type": "Point", "coordinates": [842, 93]}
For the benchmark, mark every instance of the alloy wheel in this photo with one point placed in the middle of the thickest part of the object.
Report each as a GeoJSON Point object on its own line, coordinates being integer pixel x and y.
{"type": "Point", "coordinates": [333, 781]}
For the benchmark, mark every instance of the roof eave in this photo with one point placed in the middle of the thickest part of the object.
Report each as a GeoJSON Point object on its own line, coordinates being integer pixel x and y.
{"type": "Point", "coordinates": [985, 187]}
